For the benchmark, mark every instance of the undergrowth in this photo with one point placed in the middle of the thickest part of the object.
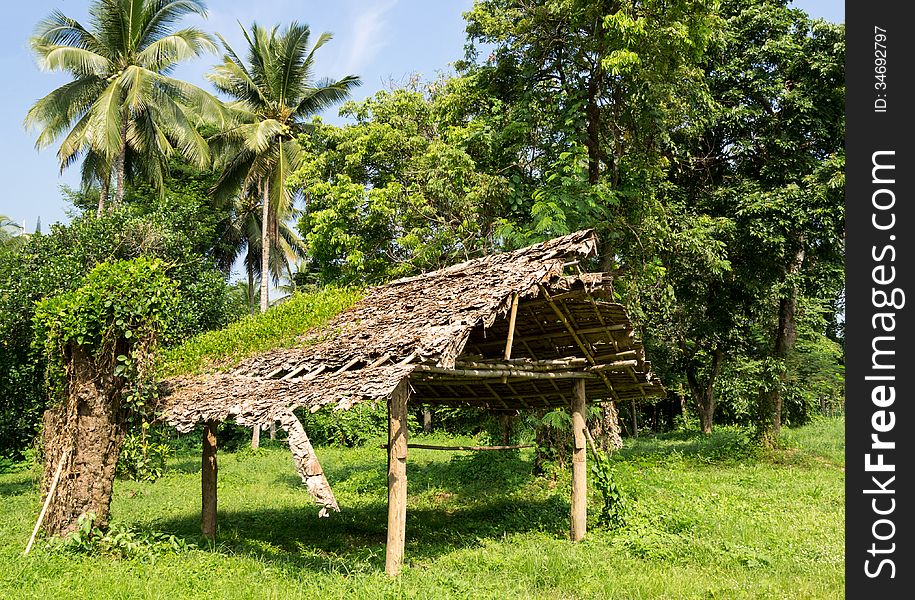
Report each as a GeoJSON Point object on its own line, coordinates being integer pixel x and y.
{"type": "Point", "coordinates": [117, 541]}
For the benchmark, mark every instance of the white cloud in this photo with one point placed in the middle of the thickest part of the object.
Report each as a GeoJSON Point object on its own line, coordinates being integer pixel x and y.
{"type": "Point", "coordinates": [369, 29]}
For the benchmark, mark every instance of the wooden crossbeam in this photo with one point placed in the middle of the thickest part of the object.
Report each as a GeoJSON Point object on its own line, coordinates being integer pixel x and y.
{"type": "Point", "coordinates": [622, 365]}
{"type": "Point", "coordinates": [499, 373]}
{"type": "Point", "coordinates": [470, 448]}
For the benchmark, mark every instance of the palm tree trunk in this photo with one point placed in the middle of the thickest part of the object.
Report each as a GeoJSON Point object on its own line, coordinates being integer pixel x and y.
{"type": "Point", "coordinates": [104, 186]}
{"type": "Point", "coordinates": [122, 161]}
{"type": "Point", "coordinates": [250, 268]}
{"type": "Point", "coordinates": [265, 248]}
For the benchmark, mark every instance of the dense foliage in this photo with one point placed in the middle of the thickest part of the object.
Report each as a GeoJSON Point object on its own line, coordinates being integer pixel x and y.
{"type": "Point", "coordinates": [119, 313]}
{"type": "Point", "coordinates": [702, 140]}
{"type": "Point", "coordinates": [57, 262]}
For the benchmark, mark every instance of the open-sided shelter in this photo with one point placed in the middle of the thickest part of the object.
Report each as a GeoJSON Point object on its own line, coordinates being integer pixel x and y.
{"type": "Point", "coordinates": [521, 330]}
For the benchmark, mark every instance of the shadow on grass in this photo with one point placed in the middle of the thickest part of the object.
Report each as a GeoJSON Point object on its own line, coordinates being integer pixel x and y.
{"type": "Point", "coordinates": [185, 466]}
{"type": "Point", "coordinates": [452, 504]}
{"type": "Point", "coordinates": [16, 488]}
{"type": "Point", "coordinates": [354, 539]}
{"type": "Point", "coordinates": [465, 475]}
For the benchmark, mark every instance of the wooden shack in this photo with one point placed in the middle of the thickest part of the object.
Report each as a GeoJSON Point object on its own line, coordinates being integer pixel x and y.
{"type": "Point", "coordinates": [520, 330]}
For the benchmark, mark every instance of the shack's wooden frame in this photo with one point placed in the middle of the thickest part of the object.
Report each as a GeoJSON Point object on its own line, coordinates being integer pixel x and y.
{"type": "Point", "coordinates": [522, 330]}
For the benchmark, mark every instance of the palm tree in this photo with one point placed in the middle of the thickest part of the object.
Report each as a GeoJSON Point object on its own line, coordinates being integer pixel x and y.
{"type": "Point", "coordinates": [121, 100]}
{"type": "Point", "coordinates": [11, 235]}
{"type": "Point", "coordinates": [246, 235]}
{"type": "Point", "coordinates": [274, 94]}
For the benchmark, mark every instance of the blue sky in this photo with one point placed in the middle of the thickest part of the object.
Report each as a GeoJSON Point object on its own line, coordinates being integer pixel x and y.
{"type": "Point", "coordinates": [382, 41]}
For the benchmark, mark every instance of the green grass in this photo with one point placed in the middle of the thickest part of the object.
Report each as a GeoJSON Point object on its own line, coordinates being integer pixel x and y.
{"type": "Point", "coordinates": [709, 518]}
{"type": "Point", "coordinates": [279, 327]}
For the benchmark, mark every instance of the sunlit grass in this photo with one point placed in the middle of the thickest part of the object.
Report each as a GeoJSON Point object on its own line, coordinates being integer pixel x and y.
{"type": "Point", "coordinates": [702, 524]}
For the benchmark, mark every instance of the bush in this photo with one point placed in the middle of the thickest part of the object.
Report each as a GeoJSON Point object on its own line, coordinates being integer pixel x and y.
{"type": "Point", "coordinates": [118, 541]}
{"type": "Point", "coordinates": [143, 456]}
{"type": "Point", "coordinates": [50, 265]}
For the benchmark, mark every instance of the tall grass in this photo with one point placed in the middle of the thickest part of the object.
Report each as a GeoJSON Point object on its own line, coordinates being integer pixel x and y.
{"type": "Point", "coordinates": [279, 327]}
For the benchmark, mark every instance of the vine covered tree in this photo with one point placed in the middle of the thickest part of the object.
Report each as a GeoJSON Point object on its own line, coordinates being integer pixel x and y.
{"type": "Point", "coordinates": [121, 102]}
{"type": "Point", "coordinates": [99, 343]}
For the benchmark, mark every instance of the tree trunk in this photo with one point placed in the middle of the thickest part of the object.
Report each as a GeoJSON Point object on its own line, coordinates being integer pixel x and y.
{"type": "Point", "coordinates": [121, 162]}
{"type": "Point", "coordinates": [256, 437]}
{"type": "Point", "coordinates": [634, 413]}
{"type": "Point", "coordinates": [427, 420]}
{"type": "Point", "coordinates": [704, 393]}
{"type": "Point", "coordinates": [265, 248]}
{"type": "Point", "coordinates": [607, 428]}
{"type": "Point", "coordinates": [250, 269]}
{"type": "Point", "coordinates": [506, 422]}
{"type": "Point", "coordinates": [90, 422]}
{"type": "Point", "coordinates": [770, 418]}
{"type": "Point", "coordinates": [592, 128]}
{"type": "Point", "coordinates": [104, 187]}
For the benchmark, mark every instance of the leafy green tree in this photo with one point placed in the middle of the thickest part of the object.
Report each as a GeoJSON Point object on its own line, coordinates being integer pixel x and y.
{"type": "Point", "coordinates": [274, 94]}
{"type": "Point", "coordinates": [401, 190]}
{"type": "Point", "coordinates": [765, 170]}
{"type": "Point", "coordinates": [98, 342]}
{"type": "Point", "coordinates": [58, 261]}
{"type": "Point", "coordinates": [121, 100]}
{"type": "Point", "coordinates": [781, 137]}
{"type": "Point", "coordinates": [590, 91]}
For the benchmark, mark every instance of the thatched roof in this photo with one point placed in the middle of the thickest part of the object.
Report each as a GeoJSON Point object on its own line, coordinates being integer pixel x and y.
{"type": "Point", "coordinates": [446, 331]}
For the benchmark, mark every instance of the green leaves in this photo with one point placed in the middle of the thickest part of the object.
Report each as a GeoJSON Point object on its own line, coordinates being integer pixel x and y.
{"type": "Point", "coordinates": [118, 314]}
{"type": "Point", "coordinates": [120, 98]}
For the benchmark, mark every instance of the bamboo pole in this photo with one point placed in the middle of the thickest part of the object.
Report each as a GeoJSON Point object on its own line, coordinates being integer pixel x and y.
{"type": "Point", "coordinates": [397, 479]}
{"type": "Point", "coordinates": [208, 472]}
{"type": "Point", "coordinates": [578, 342]}
{"type": "Point", "coordinates": [499, 373]}
{"type": "Point", "coordinates": [511, 326]}
{"type": "Point", "coordinates": [621, 365]}
{"type": "Point", "coordinates": [47, 500]}
{"type": "Point", "coordinates": [471, 448]}
{"type": "Point", "coordinates": [579, 465]}
{"type": "Point", "coordinates": [522, 364]}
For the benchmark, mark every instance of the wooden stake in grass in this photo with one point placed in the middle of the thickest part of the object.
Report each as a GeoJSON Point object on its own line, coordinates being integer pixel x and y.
{"type": "Point", "coordinates": [47, 500]}
{"type": "Point", "coordinates": [397, 478]}
{"type": "Point", "coordinates": [208, 471]}
{"type": "Point", "coordinates": [579, 470]}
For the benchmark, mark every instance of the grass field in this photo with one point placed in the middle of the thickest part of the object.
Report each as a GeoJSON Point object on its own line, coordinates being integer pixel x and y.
{"type": "Point", "coordinates": [709, 518]}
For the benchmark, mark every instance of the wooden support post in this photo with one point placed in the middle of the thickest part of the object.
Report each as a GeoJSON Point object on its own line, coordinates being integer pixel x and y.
{"type": "Point", "coordinates": [635, 420]}
{"type": "Point", "coordinates": [208, 481]}
{"type": "Point", "coordinates": [256, 437]}
{"type": "Point", "coordinates": [579, 466]}
{"type": "Point", "coordinates": [397, 478]}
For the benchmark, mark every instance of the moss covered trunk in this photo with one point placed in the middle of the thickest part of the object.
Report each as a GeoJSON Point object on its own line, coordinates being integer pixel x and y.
{"type": "Point", "coordinates": [91, 424]}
